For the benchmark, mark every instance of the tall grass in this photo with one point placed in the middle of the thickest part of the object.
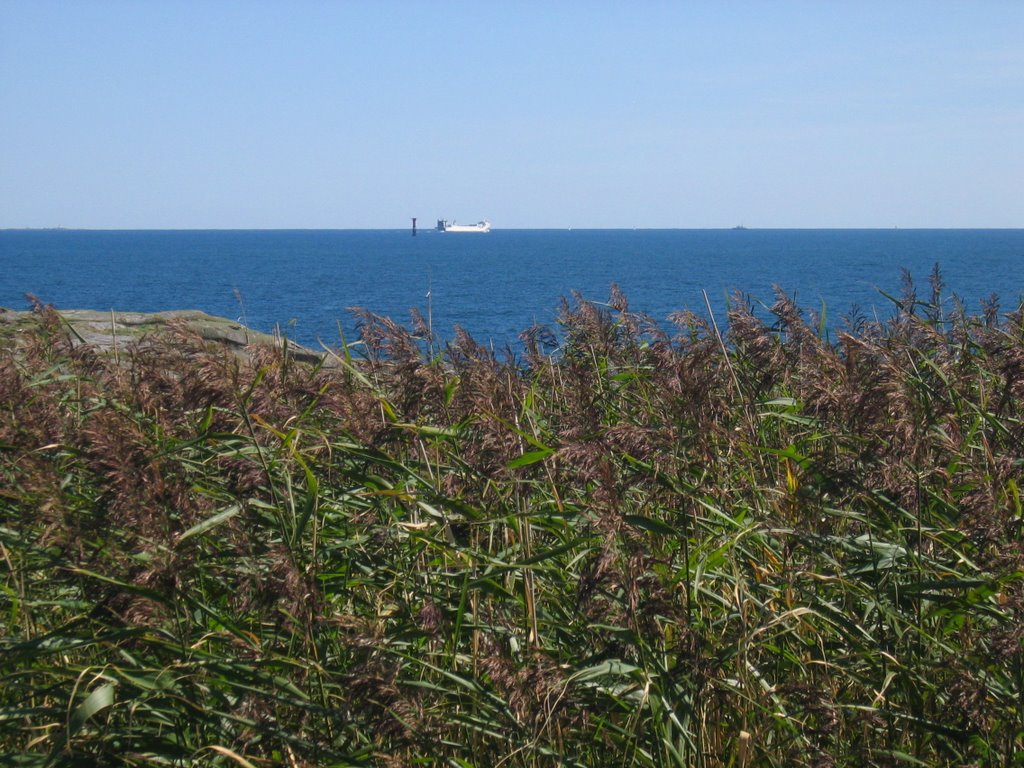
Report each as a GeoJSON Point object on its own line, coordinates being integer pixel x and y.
{"type": "Point", "coordinates": [640, 549]}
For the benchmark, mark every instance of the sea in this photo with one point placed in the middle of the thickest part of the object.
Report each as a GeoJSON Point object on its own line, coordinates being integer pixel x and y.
{"type": "Point", "coordinates": [304, 283]}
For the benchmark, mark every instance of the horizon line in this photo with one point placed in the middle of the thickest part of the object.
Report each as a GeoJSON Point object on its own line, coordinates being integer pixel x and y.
{"type": "Point", "coordinates": [501, 229]}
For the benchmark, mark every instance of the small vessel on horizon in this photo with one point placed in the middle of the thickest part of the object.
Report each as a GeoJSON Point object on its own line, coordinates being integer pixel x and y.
{"type": "Point", "coordinates": [443, 225]}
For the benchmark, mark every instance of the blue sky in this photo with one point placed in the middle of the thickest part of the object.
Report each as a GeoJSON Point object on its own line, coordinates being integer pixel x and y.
{"type": "Point", "coordinates": [532, 114]}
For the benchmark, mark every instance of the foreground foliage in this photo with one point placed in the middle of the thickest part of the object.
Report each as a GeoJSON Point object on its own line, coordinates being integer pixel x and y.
{"type": "Point", "coordinates": [763, 549]}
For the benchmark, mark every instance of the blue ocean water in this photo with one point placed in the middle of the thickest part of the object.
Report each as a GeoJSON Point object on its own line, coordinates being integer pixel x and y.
{"type": "Point", "coordinates": [494, 285]}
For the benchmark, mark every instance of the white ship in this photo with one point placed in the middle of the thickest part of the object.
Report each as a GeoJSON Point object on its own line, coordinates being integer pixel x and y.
{"type": "Point", "coordinates": [443, 225]}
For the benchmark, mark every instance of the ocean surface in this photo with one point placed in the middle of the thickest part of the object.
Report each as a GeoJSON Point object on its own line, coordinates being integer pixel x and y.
{"type": "Point", "coordinates": [494, 285]}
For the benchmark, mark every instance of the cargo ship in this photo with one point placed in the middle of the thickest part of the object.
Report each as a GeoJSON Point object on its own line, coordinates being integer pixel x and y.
{"type": "Point", "coordinates": [443, 225]}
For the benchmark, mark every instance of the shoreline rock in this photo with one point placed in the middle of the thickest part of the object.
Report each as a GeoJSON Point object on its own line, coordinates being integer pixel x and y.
{"type": "Point", "coordinates": [107, 331]}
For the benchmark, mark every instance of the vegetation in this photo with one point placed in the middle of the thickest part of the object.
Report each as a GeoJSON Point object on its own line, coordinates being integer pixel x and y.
{"type": "Point", "coordinates": [639, 549]}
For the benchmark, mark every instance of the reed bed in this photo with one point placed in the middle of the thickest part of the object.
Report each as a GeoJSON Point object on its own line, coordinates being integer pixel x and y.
{"type": "Point", "coordinates": [759, 547]}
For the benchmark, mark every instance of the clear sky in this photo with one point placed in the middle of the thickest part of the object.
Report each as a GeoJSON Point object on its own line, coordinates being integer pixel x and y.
{"type": "Point", "coordinates": [219, 114]}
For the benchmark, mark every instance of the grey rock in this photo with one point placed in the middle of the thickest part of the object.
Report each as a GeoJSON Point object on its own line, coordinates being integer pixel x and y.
{"type": "Point", "coordinates": [109, 331]}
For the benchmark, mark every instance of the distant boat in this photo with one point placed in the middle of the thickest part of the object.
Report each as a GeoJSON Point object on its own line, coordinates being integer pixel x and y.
{"type": "Point", "coordinates": [443, 225]}
{"type": "Point", "coordinates": [739, 226]}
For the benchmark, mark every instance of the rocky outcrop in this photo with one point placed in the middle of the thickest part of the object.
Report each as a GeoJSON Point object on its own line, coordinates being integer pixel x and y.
{"type": "Point", "coordinates": [110, 330]}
